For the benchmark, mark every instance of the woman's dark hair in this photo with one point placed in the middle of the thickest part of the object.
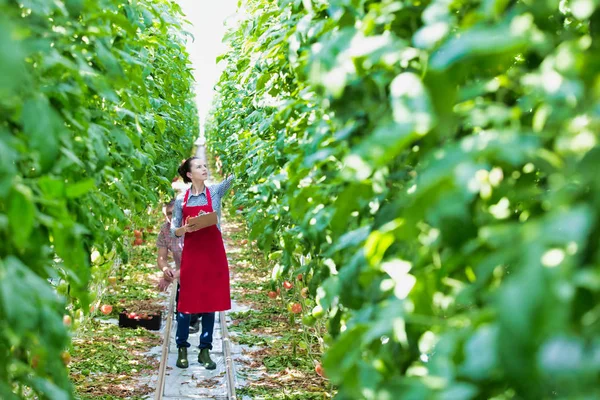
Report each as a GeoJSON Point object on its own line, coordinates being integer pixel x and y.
{"type": "Point", "coordinates": [184, 168]}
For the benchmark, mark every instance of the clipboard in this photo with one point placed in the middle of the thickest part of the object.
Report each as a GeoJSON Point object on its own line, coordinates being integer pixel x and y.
{"type": "Point", "coordinates": [204, 220]}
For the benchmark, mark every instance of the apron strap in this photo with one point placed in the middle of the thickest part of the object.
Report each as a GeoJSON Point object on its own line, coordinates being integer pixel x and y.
{"type": "Point", "coordinates": [185, 198]}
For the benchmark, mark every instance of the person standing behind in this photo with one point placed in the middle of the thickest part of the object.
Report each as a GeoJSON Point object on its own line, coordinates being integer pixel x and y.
{"type": "Point", "coordinates": [204, 276]}
{"type": "Point", "coordinates": [165, 243]}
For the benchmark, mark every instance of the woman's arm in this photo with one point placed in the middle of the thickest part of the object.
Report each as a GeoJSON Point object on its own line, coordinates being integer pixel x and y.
{"type": "Point", "coordinates": [179, 232]}
{"type": "Point", "coordinates": [176, 219]}
{"type": "Point", "coordinates": [224, 186]}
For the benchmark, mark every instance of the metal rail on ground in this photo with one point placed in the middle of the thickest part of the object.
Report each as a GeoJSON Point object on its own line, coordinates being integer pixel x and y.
{"type": "Point", "coordinates": [229, 368]}
{"type": "Point", "coordinates": [230, 372]}
{"type": "Point", "coordinates": [164, 358]}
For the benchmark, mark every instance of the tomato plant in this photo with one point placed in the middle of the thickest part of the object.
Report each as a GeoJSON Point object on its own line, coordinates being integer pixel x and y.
{"type": "Point", "coordinates": [96, 110]}
{"type": "Point", "coordinates": [433, 162]}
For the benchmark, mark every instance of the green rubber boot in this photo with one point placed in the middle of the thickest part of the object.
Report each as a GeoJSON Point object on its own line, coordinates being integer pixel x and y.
{"type": "Point", "coordinates": [204, 359]}
{"type": "Point", "coordinates": [182, 361]}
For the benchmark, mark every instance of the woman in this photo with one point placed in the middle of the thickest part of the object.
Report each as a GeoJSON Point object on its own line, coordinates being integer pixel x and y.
{"type": "Point", "coordinates": [204, 275]}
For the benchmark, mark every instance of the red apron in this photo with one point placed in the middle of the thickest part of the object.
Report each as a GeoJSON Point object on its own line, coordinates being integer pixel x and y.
{"type": "Point", "coordinates": [204, 274]}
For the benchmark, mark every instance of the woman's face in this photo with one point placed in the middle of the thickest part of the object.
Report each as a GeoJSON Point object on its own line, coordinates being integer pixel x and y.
{"type": "Point", "coordinates": [198, 170]}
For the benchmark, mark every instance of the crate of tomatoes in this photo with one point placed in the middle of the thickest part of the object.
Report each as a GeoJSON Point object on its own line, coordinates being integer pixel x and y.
{"type": "Point", "coordinates": [150, 321]}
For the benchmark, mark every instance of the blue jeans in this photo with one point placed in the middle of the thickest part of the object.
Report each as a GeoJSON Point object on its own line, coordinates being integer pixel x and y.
{"type": "Point", "coordinates": [183, 330]}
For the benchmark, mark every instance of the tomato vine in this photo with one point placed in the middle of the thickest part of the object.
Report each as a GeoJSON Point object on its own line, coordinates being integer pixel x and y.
{"type": "Point", "coordinates": [433, 161]}
{"type": "Point", "coordinates": [97, 109]}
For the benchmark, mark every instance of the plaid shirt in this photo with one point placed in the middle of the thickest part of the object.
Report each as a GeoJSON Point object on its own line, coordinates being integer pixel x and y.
{"type": "Point", "coordinates": [172, 244]}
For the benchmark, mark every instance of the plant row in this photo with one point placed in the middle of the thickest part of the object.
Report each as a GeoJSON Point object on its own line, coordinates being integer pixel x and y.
{"type": "Point", "coordinates": [429, 167]}
{"type": "Point", "coordinates": [96, 110]}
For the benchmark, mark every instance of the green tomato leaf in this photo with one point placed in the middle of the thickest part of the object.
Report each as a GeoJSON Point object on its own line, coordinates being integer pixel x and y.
{"type": "Point", "coordinates": [80, 188]}
{"type": "Point", "coordinates": [21, 214]}
{"type": "Point", "coordinates": [41, 124]}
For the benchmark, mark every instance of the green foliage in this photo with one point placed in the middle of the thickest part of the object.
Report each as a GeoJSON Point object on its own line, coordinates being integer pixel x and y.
{"type": "Point", "coordinates": [96, 110]}
{"type": "Point", "coordinates": [435, 162]}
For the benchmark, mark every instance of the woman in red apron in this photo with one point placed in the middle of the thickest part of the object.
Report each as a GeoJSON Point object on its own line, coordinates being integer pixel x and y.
{"type": "Point", "coordinates": [204, 276]}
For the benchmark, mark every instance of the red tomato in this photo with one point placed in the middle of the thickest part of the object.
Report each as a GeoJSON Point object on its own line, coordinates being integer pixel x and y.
{"type": "Point", "coordinates": [319, 370]}
{"type": "Point", "coordinates": [296, 308]}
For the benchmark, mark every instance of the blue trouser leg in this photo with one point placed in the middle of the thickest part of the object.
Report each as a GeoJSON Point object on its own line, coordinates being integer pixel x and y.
{"type": "Point", "coordinates": [183, 330]}
{"type": "Point", "coordinates": [208, 325]}
{"type": "Point", "coordinates": [195, 317]}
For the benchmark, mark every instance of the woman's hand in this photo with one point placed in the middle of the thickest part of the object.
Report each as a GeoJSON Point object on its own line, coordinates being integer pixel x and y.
{"type": "Point", "coordinates": [189, 227]}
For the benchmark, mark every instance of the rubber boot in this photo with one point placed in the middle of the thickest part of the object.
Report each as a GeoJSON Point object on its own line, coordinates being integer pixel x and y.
{"type": "Point", "coordinates": [182, 361]}
{"type": "Point", "coordinates": [204, 359]}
